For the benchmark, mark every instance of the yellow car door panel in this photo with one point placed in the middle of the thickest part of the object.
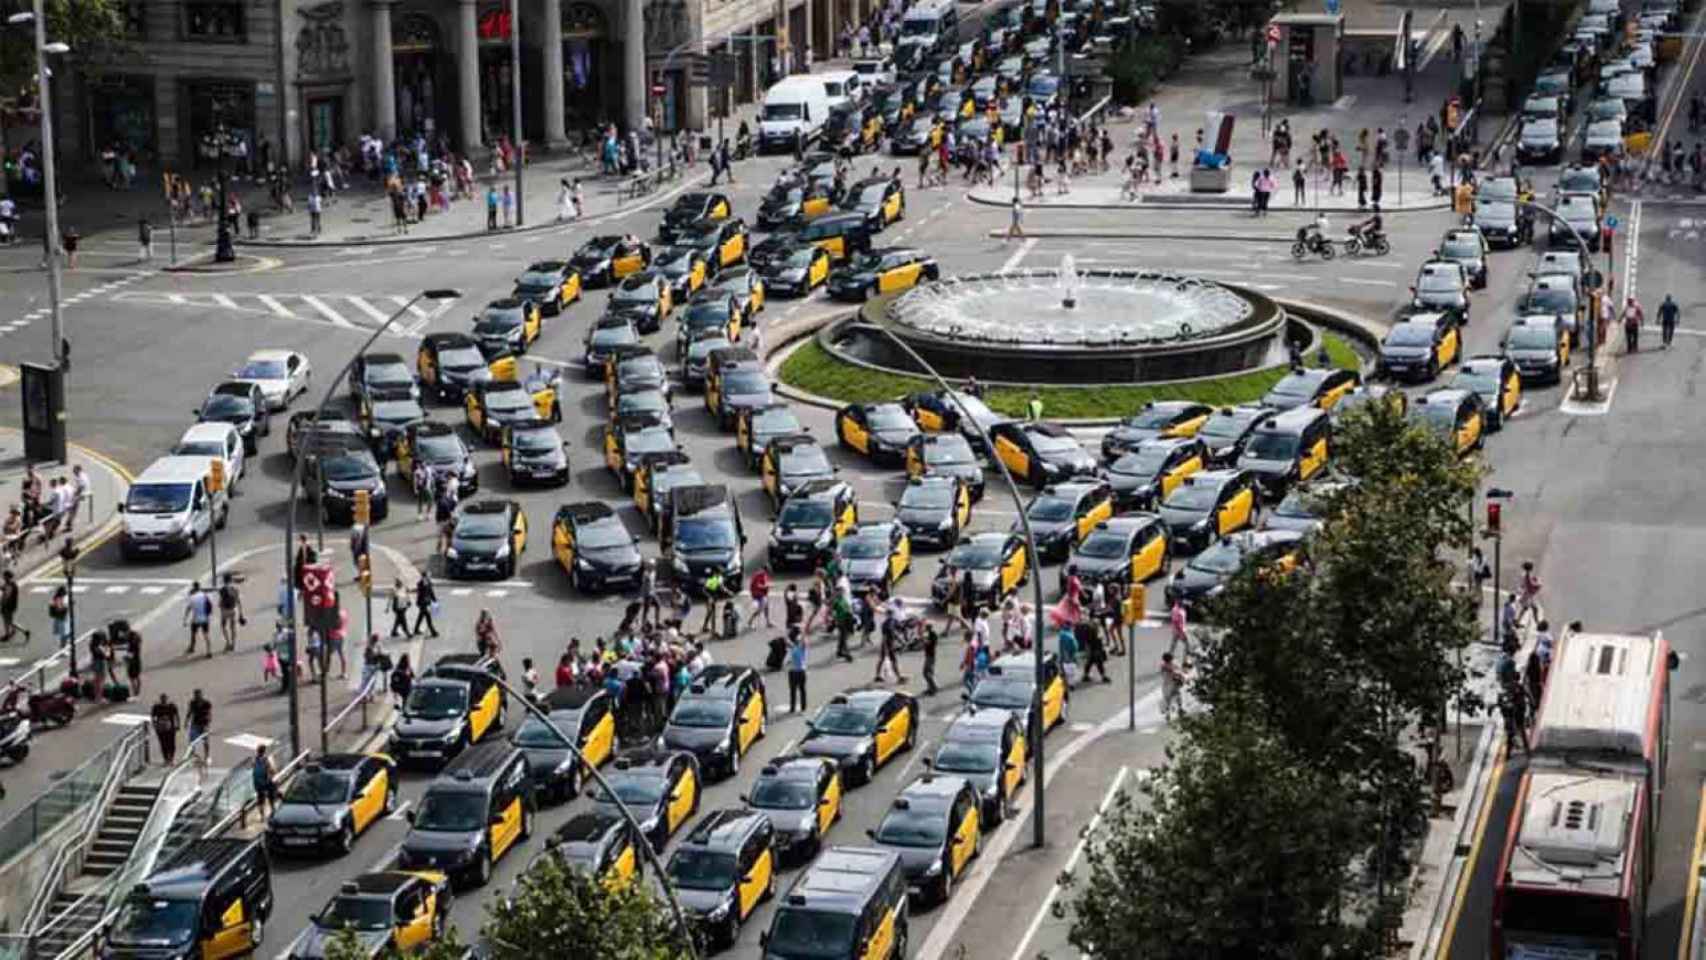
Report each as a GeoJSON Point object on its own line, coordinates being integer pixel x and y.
{"type": "Point", "coordinates": [1313, 460]}
{"type": "Point", "coordinates": [751, 720]}
{"type": "Point", "coordinates": [234, 936]}
{"type": "Point", "coordinates": [755, 881]}
{"type": "Point", "coordinates": [601, 741]}
{"type": "Point", "coordinates": [932, 422]}
{"type": "Point", "coordinates": [1014, 771]}
{"type": "Point", "coordinates": [622, 869]}
{"type": "Point", "coordinates": [1054, 697]}
{"type": "Point", "coordinates": [1150, 558]}
{"type": "Point", "coordinates": [965, 840]}
{"type": "Point", "coordinates": [681, 800]}
{"type": "Point", "coordinates": [829, 805]}
{"type": "Point", "coordinates": [1017, 461]}
{"type": "Point", "coordinates": [1513, 394]}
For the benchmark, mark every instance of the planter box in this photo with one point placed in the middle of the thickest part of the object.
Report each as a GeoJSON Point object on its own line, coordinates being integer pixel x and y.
{"type": "Point", "coordinates": [1205, 180]}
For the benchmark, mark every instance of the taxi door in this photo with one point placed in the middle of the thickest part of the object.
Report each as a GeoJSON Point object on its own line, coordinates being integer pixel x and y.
{"type": "Point", "coordinates": [475, 411]}
{"type": "Point", "coordinates": [855, 433]}
{"type": "Point", "coordinates": [892, 206]}
{"type": "Point", "coordinates": [414, 919]}
{"type": "Point", "coordinates": [962, 513]}
{"type": "Point", "coordinates": [819, 271]}
{"type": "Point", "coordinates": [1234, 513]}
{"type": "Point", "coordinates": [901, 277]}
{"type": "Point", "coordinates": [369, 800]}
{"type": "Point", "coordinates": [1314, 455]}
{"type": "Point", "coordinates": [404, 450]}
{"type": "Point", "coordinates": [695, 276]}
{"type": "Point", "coordinates": [1150, 554]}
{"type": "Point", "coordinates": [767, 474]}
{"type": "Point", "coordinates": [530, 323]}
{"type": "Point", "coordinates": [504, 369]}
{"type": "Point", "coordinates": [426, 366]}
{"type": "Point", "coordinates": [643, 488]}
{"type": "Point", "coordinates": [719, 211]}
{"type": "Point", "coordinates": [757, 869]}
{"type": "Point", "coordinates": [1054, 696]}
{"type": "Point", "coordinates": [545, 404]}
{"type": "Point", "coordinates": [506, 441]}
{"type": "Point", "coordinates": [1186, 428]}
{"type": "Point", "coordinates": [713, 387]}
{"type": "Point", "coordinates": [1334, 395]}
{"type": "Point", "coordinates": [931, 421]}
{"type": "Point", "coordinates": [484, 714]}
{"type": "Point", "coordinates": [900, 558]}
{"type": "Point", "coordinates": [519, 532]}
{"type": "Point", "coordinates": [1511, 396]}
{"type": "Point", "coordinates": [813, 207]}
{"type": "Point", "coordinates": [572, 287]}
{"type": "Point", "coordinates": [1468, 430]}
{"type": "Point", "coordinates": [847, 519]}
{"type": "Point", "coordinates": [733, 250]}
{"type": "Point", "coordinates": [506, 821]}
{"type": "Point", "coordinates": [681, 798]}
{"type": "Point", "coordinates": [891, 732]}
{"type": "Point", "coordinates": [612, 451]}
{"type": "Point", "coordinates": [229, 933]}
{"type": "Point", "coordinates": [829, 804]}
{"type": "Point", "coordinates": [1013, 571]}
{"type": "Point", "coordinates": [1092, 515]}
{"type": "Point", "coordinates": [624, 264]}
{"type": "Point", "coordinates": [1013, 767]}
{"type": "Point", "coordinates": [965, 838]}
{"type": "Point", "coordinates": [563, 544]}
{"type": "Point", "coordinates": [835, 246]}
{"type": "Point", "coordinates": [1014, 456]}
{"type": "Point", "coordinates": [599, 742]}
{"type": "Point", "coordinates": [623, 867]}
{"type": "Point", "coordinates": [751, 717]}
{"type": "Point", "coordinates": [880, 944]}
{"type": "Point", "coordinates": [915, 460]}
{"type": "Point", "coordinates": [1171, 478]}
{"type": "Point", "coordinates": [1447, 349]}
{"type": "Point", "coordinates": [1563, 351]}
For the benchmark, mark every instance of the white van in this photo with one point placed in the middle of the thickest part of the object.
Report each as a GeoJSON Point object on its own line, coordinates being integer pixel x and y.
{"type": "Point", "coordinates": [215, 440]}
{"type": "Point", "coordinates": [796, 106]}
{"type": "Point", "coordinates": [936, 22]}
{"type": "Point", "coordinates": [169, 509]}
{"type": "Point", "coordinates": [842, 86]}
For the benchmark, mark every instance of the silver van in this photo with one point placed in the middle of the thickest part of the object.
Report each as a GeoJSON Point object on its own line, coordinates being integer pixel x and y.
{"type": "Point", "coordinates": [170, 509]}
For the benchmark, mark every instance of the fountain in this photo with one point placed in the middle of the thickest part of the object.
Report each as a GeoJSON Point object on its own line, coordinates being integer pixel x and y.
{"type": "Point", "coordinates": [1068, 282]}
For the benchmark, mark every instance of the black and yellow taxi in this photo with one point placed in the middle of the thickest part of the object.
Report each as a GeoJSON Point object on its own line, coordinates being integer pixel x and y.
{"type": "Point", "coordinates": [683, 267]}
{"type": "Point", "coordinates": [988, 748]}
{"type": "Point", "coordinates": [1158, 419]}
{"type": "Point", "coordinates": [1469, 248]}
{"type": "Point", "coordinates": [1317, 386]}
{"type": "Point", "coordinates": [334, 799]}
{"type": "Point", "coordinates": [1305, 508]}
{"type": "Point", "coordinates": [1147, 474]}
{"type": "Point", "coordinates": [656, 475]}
{"type": "Point", "coordinates": [371, 373]}
{"type": "Point", "coordinates": [660, 788]}
{"type": "Point", "coordinates": [788, 463]}
{"type": "Point", "coordinates": [734, 381]}
{"type": "Point", "coordinates": [533, 452]}
{"type": "Point", "coordinates": [851, 129]}
{"type": "Point", "coordinates": [646, 297]}
{"type": "Point", "coordinates": [586, 714]}
{"type": "Point", "coordinates": [1040, 453]}
{"type": "Point", "coordinates": [1127, 551]}
{"type": "Point", "coordinates": [745, 284]}
{"type": "Point", "coordinates": [630, 439]}
{"type": "Point", "coordinates": [1442, 286]}
{"type": "Point", "coordinates": [812, 521]}
{"type": "Point", "coordinates": [447, 362]}
{"type": "Point", "coordinates": [894, 104]}
{"type": "Point", "coordinates": [990, 565]}
{"type": "Point", "coordinates": [723, 243]}
{"type": "Point", "coordinates": [606, 335]}
{"type": "Point", "coordinates": [632, 368]}
{"type": "Point", "coordinates": [507, 325]}
{"type": "Point", "coordinates": [1420, 346]}
{"type": "Point", "coordinates": [654, 402]}
{"type": "Point", "coordinates": [605, 260]}
{"type": "Point", "coordinates": [936, 827]}
{"type": "Point", "coordinates": [797, 272]}
{"type": "Point", "coordinates": [1210, 505]}
{"type": "Point", "coordinates": [1368, 395]}
{"type": "Point", "coordinates": [840, 234]}
{"type": "Point", "coordinates": [880, 431]}
{"type": "Point", "coordinates": [1206, 575]}
{"type": "Point", "coordinates": [491, 405]}
{"type": "Point", "coordinates": [721, 714]}
{"type": "Point", "coordinates": [209, 900]}
{"type": "Point", "coordinates": [755, 427]}
{"type": "Point", "coordinates": [473, 813]}
{"type": "Point", "coordinates": [935, 509]}
{"type": "Point", "coordinates": [391, 912]}
{"type": "Point", "coordinates": [594, 548]}
{"type": "Point", "coordinates": [1539, 345]}
{"type": "Point", "coordinates": [793, 203]}
{"type": "Point", "coordinates": [552, 284]}
{"type": "Point", "coordinates": [1497, 381]}
{"type": "Point", "coordinates": [1456, 414]}
{"type": "Point", "coordinates": [1062, 514]}
{"type": "Point", "coordinates": [701, 342]}
{"type": "Point", "coordinates": [707, 316]}
{"type": "Point", "coordinates": [954, 104]}
{"type": "Point", "coordinates": [881, 199]}
{"type": "Point", "coordinates": [1289, 449]}
{"type": "Point", "coordinates": [1011, 684]}
{"type": "Point", "coordinates": [862, 729]}
{"type": "Point", "coordinates": [945, 454]}
{"type": "Point", "coordinates": [441, 448]}
{"type": "Point", "coordinates": [920, 133]}
{"type": "Point", "coordinates": [887, 270]}
{"type": "Point", "coordinates": [851, 902]}
{"type": "Point", "coordinates": [690, 208]}
{"type": "Point", "coordinates": [487, 538]}
{"type": "Point", "coordinates": [722, 870]}
{"type": "Point", "coordinates": [876, 555]}
{"type": "Point", "coordinates": [766, 252]}
{"type": "Point", "coordinates": [601, 844]}
{"type": "Point", "coordinates": [802, 798]}
{"type": "Point", "coordinates": [1228, 429]}
{"type": "Point", "coordinates": [384, 415]}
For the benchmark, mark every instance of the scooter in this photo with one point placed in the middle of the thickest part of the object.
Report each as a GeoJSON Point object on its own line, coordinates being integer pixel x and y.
{"type": "Point", "coordinates": [51, 708]}
{"type": "Point", "coordinates": [14, 736]}
{"type": "Point", "coordinates": [1375, 243]}
{"type": "Point", "coordinates": [1310, 240]}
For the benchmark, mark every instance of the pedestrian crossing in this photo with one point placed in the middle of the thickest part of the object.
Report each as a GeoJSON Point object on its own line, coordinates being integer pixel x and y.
{"type": "Point", "coordinates": [346, 311]}
{"type": "Point", "coordinates": [155, 588]}
{"type": "Point", "coordinates": [105, 290]}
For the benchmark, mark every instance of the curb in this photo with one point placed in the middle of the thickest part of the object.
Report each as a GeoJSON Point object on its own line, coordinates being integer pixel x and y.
{"type": "Point", "coordinates": [683, 184]}
{"type": "Point", "coordinates": [203, 263]}
{"type": "Point", "coordinates": [1465, 821]}
{"type": "Point", "coordinates": [1161, 206]}
{"type": "Point", "coordinates": [8, 375]}
{"type": "Point", "coordinates": [1145, 235]}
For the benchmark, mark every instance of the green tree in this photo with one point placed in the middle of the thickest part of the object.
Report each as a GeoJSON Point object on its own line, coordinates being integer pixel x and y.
{"type": "Point", "coordinates": [347, 945]}
{"type": "Point", "coordinates": [94, 29]}
{"type": "Point", "coordinates": [564, 914]}
{"type": "Point", "coordinates": [1234, 849]}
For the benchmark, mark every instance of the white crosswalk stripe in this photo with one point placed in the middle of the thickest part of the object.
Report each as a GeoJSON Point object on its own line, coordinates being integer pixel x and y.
{"type": "Point", "coordinates": [272, 304]}
{"type": "Point", "coordinates": [330, 314]}
{"type": "Point", "coordinates": [378, 315]}
{"type": "Point", "coordinates": [344, 310]}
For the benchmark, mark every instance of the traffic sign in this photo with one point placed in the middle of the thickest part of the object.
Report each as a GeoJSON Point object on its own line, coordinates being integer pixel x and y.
{"type": "Point", "coordinates": [1273, 33]}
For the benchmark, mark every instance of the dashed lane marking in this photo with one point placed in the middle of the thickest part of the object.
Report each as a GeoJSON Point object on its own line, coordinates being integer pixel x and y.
{"type": "Point", "coordinates": [125, 719]}
{"type": "Point", "coordinates": [249, 741]}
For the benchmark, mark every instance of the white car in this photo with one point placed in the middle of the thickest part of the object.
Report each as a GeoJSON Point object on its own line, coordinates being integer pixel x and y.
{"type": "Point", "coordinates": [282, 375]}
{"type": "Point", "coordinates": [215, 441]}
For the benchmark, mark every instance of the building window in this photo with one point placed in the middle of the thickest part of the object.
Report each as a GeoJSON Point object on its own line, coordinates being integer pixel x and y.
{"type": "Point", "coordinates": [136, 19]}
{"type": "Point", "coordinates": [214, 20]}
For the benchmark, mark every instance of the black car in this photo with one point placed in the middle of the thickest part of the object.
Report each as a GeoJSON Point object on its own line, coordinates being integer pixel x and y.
{"type": "Point", "coordinates": [992, 565]}
{"type": "Point", "coordinates": [764, 254]}
{"type": "Point", "coordinates": [880, 431]}
{"type": "Point", "coordinates": [788, 463]}
{"type": "Point", "coordinates": [1442, 286]}
{"type": "Point", "coordinates": [700, 346]}
{"type": "Point", "coordinates": [937, 411]}
{"type": "Point", "coordinates": [1540, 348]}
{"type": "Point", "coordinates": [875, 555]}
{"type": "Point", "coordinates": [945, 454]}
{"type": "Point", "coordinates": [721, 714]}
{"type": "Point", "coordinates": [1124, 552]}
{"type": "Point", "coordinates": [1062, 514]}
{"type": "Point", "coordinates": [627, 442]}
{"type": "Point", "coordinates": [552, 284]}
{"type": "Point", "coordinates": [387, 416]}
{"type": "Point", "coordinates": [935, 826]}
{"type": "Point", "coordinates": [1501, 222]}
{"type": "Point", "coordinates": [1208, 506]}
{"type": "Point", "coordinates": [811, 522]}
{"type": "Point", "coordinates": [533, 452]}
{"type": "Point", "coordinates": [862, 729]}
{"type": "Point", "coordinates": [914, 137]}
{"type": "Point", "coordinates": [660, 473]}
{"type": "Point", "coordinates": [720, 315]}
{"type": "Point", "coordinates": [380, 372]}
{"type": "Point", "coordinates": [442, 449]}
{"type": "Point", "coordinates": [604, 260]}
{"type": "Point", "coordinates": [684, 267]}
{"type": "Point", "coordinates": [594, 548]}
{"type": "Point", "coordinates": [1301, 510]}
{"type": "Point", "coordinates": [935, 509]}
{"type": "Point", "coordinates": [448, 362]}
{"type": "Point", "coordinates": [507, 326]}
{"type": "Point", "coordinates": [1225, 433]}
{"type": "Point", "coordinates": [604, 336]}
{"type": "Point", "coordinates": [885, 270]}
{"type": "Point", "coordinates": [1207, 573]}
{"type": "Point", "coordinates": [1468, 247]}
{"type": "Point", "coordinates": [796, 272]}
{"type": "Point", "coordinates": [790, 203]}
{"type": "Point", "coordinates": [755, 427]}
{"type": "Point", "coordinates": [661, 789]}
{"type": "Point", "coordinates": [338, 474]}
{"type": "Point", "coordinates": [1539, 141]}
{"type": "Point", "coordinates": [637, 368]}
{"type": "Point", "coordinates": [1040, 453]}
{"type": "Point", "coordinates": [644, 298]}
{"type": "Point", "coordinates": [486, 539]}
{"type": "Point", "coordinates": [802, 797]}
{"type": "Point", "coordinates": [689, 208]}
{"type": "Point", "coordinates": [1143, 477]}
{"type": "Point", "coordinates": [1167, 418]}
{"type": "Point", "coordinates": [239, 411]}
{"type": "Point", "coordinates": [1417, 348]}
{"type": "Point", "coordinates": [585, 713]}
{"type": "Point", "coordinates": [1315, 386]}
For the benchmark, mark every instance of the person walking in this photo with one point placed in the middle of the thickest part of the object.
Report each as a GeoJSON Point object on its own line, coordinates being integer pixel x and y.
{"type": "Point", "coordinates": [59, 615]}
{"type": "Point", "coordinates": [265, 778]}
{"type": "Point", "coordinates": [1299, 193]}
{"type": "Point", "coordinates": [1172, 685]}
{"type": "Point", "coordinates": [426, 605]}
{"type": "Point", "coordinates": [1529, 589]}
{"type": "Point", "coordinates": [929, 644]}
{"type": "Point", "coordinates": [9, 596]}
{"type": "Point", "coordinates": [1513, 707]}
{"type": "Point", "coordinates": [399, 609]}
{"type": "Point", "coordinates": [1016, 226]}
{"type": "Point", "coordinates": [579, 200]}
{"type": "Point", "coordinates": [1095, 651]}
{"type": "Point", "coordinates": [1362, 188]}
{"type": "Point", "coordinates": [1667, 320]}
{"type": "Point", "coordinates": [508, 205]}
{"type": "Point", "coordinates": [1181, 636]}
{"type": "Point", "coordinates": [886, 654]}
{"type": "Point", "coordinates": [486, 639]}
{"type": "Point", "coordinates": [1376, 183]}
{"type": "Point", "coordinates": [164, 716]}
{"type": "Point", "coordinates": [1632, 318]}
{"type": "Point", "coordinates": [315, 207]}
{"type": "Point", "coordinates": [198, 611]}
{"type": "Point", "coordinates": [796, 670]}
{"type": "Point", "coordinates": [565, 196]}
{"type": "Point", "coordinates": [201, 721]}
{"type": "Point", "coordinates": [231, 614]}
{"type": "Point", "coordinates": [491, 207]}
{"type": "Point", "coordinates": [758, 588]}
{"type": "Point", "coordinates": [402, 680]}
{"type": "Point", "coordinates": [144, 240]}
{"type": "Point", "coordinates": [651, 609]}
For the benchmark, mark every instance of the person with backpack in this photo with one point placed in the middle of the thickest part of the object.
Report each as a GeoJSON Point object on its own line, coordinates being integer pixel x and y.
{"type": "Point", "coordinates": [231, 614]}
{"type": "Point", "coordinates": [426, 604]}
{"type": "Point", "coordinates": [402, 680]}
{"type": "Point", "coordinates": [9, 609]}
{"type": "Point", "coordinates": [399, 609]}
{"type": "Point", "coordinates": [164, 716]}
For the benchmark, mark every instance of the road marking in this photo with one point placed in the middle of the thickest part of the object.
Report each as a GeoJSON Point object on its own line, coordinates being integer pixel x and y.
{"type": "Point", "coordinates": [1583, 408]}
{"type": "Point", "coordinates": [1019, 255]}
{"type": "Point", "coordinates": [125, 719]}
{"type": "Point", "coordinates": [401, 813]}
{"type": "Point", "coordinates": [369, 309]}
{"type": "Point", "coordinates": [225, 301]}
{"type": "Point", "coordinates": [1369, 283]}
{"type": "Point", "coordinates": [117, 588]}
{"type": "Point", "coordinates": [1450, 935]}
{"type": "Point", "coordinates": [497, 593]}
{"type": "Point", "coordinates": [330, 314]}
{"type": "Point", "coordinates": [414, 308]}
{"type": "Point", "coordinates": [461, 592]}
{"type": "Point", "coordinates": [249, 741]}
{"type": "Point", "coordinates": [1685, 945]}
{"type": "Point", "coordinates": [153, 590]}
{"type": "Point", "coordinates": [1632, 257]}
{"type": "Point", "coordinates": [273, 305]}
{"type": "Point", "coordinates": [1071, 863]}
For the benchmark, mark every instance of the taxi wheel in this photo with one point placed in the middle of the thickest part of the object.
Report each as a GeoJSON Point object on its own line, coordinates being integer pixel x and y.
{"type": "Point", "coordinates": [911, 732]}
{"type": "Point", "coordinates": [526, 822]}
{"type": "Point", "coordinates": [346, 839]}
{"type": "Point", "coordinates": [770, 886]}
{"type": "Point", "coordinates": [391, 801]}
{"type": "Point", "coordinates": [1433, 369]}
{"type": "Point", "coordinates": [734, 759]}
{"type": "Point", "coordinates": [257, 930]}
{"type": "Point", "coordinates": [947, 884]}
{"type": "Point", "coordinates": [868, 769]}
{"type": "Point", "coordinates": [483, 869]}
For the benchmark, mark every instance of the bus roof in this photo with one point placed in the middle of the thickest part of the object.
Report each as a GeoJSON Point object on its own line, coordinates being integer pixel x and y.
{"type": "Point", "coordinates": [1602, 695]}
{"type": "Point", "coordinates": [1575, 832]}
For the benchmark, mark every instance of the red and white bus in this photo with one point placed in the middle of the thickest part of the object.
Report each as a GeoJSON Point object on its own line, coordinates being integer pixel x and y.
{"type": "Point", "coordinates": [1572, 880]}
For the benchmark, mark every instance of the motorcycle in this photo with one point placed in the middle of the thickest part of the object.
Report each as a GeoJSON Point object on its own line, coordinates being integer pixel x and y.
{"type": "Point", "coordinates": [1375, 243]}
{"type": "Point", "coordinates": [51, 708]}
{"type": "Point", "coordinates": [1310, 240]}
{"type": "Point", "coordinates": [14, 736]}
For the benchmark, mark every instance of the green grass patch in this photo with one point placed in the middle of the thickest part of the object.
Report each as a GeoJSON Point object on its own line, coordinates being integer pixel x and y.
{"type": "Point", "coordinates": [815, 370]}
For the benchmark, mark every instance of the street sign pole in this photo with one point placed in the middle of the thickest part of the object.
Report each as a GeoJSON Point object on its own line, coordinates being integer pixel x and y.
{"type": "Point", "coordinates": [215, 486]}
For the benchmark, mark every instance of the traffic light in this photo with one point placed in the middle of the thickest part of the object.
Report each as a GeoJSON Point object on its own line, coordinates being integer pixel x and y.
{"type": "Point", "coordinates": [1492, 517]}
{"type": "Point", "coordinates": [364, 574]}
{"type": "Point", "coordinates": [363, 507]}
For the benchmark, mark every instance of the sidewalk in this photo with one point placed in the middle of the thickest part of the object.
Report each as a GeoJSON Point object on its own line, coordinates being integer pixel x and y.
{"type": "Point", "coordinates": [97, 519]}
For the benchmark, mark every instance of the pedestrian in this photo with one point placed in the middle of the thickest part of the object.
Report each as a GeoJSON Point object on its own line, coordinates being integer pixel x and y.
{"type": "Point", "coordinates": [1016, 227]}
{"type": "Point", "coordinates": [144, 240]}
{"type": "Point", "coordinates": [796, 670]}
{"type": "Point", "coordinates": [402, 680]}
{"type": "Point", "coordinates": [508, 205]}
{"type": "Point", "coordinates": [1181, 636]}
{"type": "Point", "coordinates": [265, 778]}
{"type": "Point", "coordinates": [886, 653]}
{"type": "Point", "coordinates": [198, 611]}
{"type": "Point", "coordinates": [1095, 651]}
{"type": "Point", "coordinates": [315, 206]}
{"type": "Point", "coordinates": [100, 658]}
{"type": "Point", "coordinates": [69, 242]}
{"type": "Point", "coordinates": [929, 670]}
{"type": "Point", "coordinates": [271, 668]}
{"type": "Point", "coordinates": [375, 666]}
{"type": "Point", "coordinates": [9, 595]}
{"type": "Point", "coordinates": [1632, 317]}
{"type": "Point", "coordinates": [486, 634]}
{"type": "Point", "coordinates": [231, 615]}
{"type": "Point", "coordinates": [426, 606]}
{"type": "Point", "coordinates": [1172, 685]}
{"type": "Point", "coordinates": [1375, 182]}
{"type": "Point", "coordinates": [1066, 636]}
{"type": "Point", "coordinates": [579, 200]}
{"type": "Point", "coordinates": [1299, 193]}
{"type": "Point", "coordinates": [164, 717]}
{"type": "Point", "coordinates": [1510, 622]}
{"type": "Point", "coordinates": [1667, 320]}
{"type": "Point", "coordinates": [59, 615]}
{"type": "Point", "coordinates": [1362, 188]}
{"type": "Point", "coordinates": [758, 588]}
{"type": "Point", "coordinates": [1034, 407]}
{"type": "Point", "coordinates": [399, 609]}
{"type": "Point", "coordinates": [651, 609]}
{"type": "Point", "coordinates": [201, 721]}
{"type": "Point", "coordinates": [133, 662]}
{"type": "Point", "coordinates": [491, 207]}
{"type": "Point", "coordinates": [565, 197]}
{"type": "Point", "coordinates": [1513, 706]}
{"type": "Point", "coordinates": [1529, 588]}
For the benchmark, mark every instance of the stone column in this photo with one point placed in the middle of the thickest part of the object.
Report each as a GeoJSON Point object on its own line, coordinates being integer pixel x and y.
{"type": "Point", "coordinates": [468, 77]}
{"type": "Point", "coordinates": [551, 35]}
{"type": "Point", "coordinates": [811, 34]}
{"type": "Point", "coordinates": [384, 81]}
{"type": "Point", "coordinates": [635, 86]}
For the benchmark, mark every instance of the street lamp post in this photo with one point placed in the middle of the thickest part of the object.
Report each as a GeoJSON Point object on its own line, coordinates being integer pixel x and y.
{"type": "Point", "coordinates": [68, 561]}
{"type": "Point", "coordinates": [49, 176]}
{"type": "Point", "coordinates": [515, 104]}
{"type": "Point", "coordinates": [1493, 533]}
{"type": "Point", "coordinates": [1593, 337]}
{"type": "Point", "coordinates": [1031, 557]}
{"type": "Point", "coordinates": [290, 517]}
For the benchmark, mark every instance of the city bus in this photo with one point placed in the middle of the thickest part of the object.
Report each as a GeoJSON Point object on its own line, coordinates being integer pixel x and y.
{"type": "Point", "coordinates": [1573, 875]}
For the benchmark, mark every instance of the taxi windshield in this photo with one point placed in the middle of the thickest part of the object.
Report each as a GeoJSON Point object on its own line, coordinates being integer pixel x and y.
{"type": "Point", "coordinates": [158, 497]}
{"type": "Point", "coordinates": [1224, 557]}
{"type": "Point", "coordinates": [615, 335]}
{"type": "Point", "coordinates": [650, 440]}
{"type": "Point", "coordinates": [358, 913]}
{"type": "Point", "coordinates": [538, 279]}
{"type": "Point", "coordinates": [1011, 693]}
{"type": "Point", "coordinates": [460, 358]}
{"type": "Point", "coordinates": [1298, 503]}
{"type": "Point", "coordinates": [1142, 462]}
{"type": "Point", "coordinates": [804, 459]}
{"type": "Point", "coordinates": [742, 382]}
{"type": "Point", "coordinates": [634, 791]}
{"type": "Point", "coordinates": [451, 812]}
{"type": "Point", "coordinates": [343, 468]}
{"type": "Point", "coordinates": [1484, 382]}
{"type": "Point", "coordinates": [1103, 545]}
{"type": "Point", "coordinates": [1297, 386]}
{"type": "Point", "coordinates": [890, 418]}
{"type": "Point", "coordinates": [227, 405]}
{"type": "Point", "coordinates": [843, 721]}
{"type": "Point", "coordinates": [913, 828]}
{"type": "Point", "coordinates": [1531, 337]}
{"type": "Point", "coordinates": [967, 757]}
{"type": "Point", "coordinates": [507, 400]}
{"type": "Point", "coordinates": [781, 194]}
{"type": "Point", "coordinates": [318, 787]}
{"type": "Point", "coordinates": [1439, 281]}
{"type": "Point", "coordinates": [1151, 419]}
{"type": "Point", "coordinates": [864, 548]}
{"type": "Point", "coordinates": [1226, 429]}
{"type": "Point", "coordinates": [641, 292]}
{"type": "Point", "coordinates": [873, 194]}
{"type": "Point", "coordinates": [395, 411]}
{"type": "Point", "coordinates": [801, 257]}
{"type": "Point", "coordinates": [1048, 443]}
{"type": "Point", "coordinates": [1050, 509]}
{"type": "Point", "coordinates": [443, 446]}
{"type": "Point", "coordinates": [535, 733]}
{"type": "Point", "coordinates": [775, 793]}
{"type": "Point", "coordinates": [776, 420]}
{"type": "Point", "coordinates": [1465, 247]}
{"type": "Point", "coordinates": [536, 441]}
{"type": "Point", "coordinates": [694, 869]}
{"type": "Point", "coordinates": [1550, 300]}
{"type": "Point", "coordinates": [148, 921]}
{"type": "Point", "coordinates": [436, 701]}
{"type": "Point", "coordinates": [496, 321]}
{"type": "Point", "coordinates": [975, 556]}
{"type": "Point", "coordinates": [1193, 497]}
{"type": "Point", "coordinates": [709, 534]}
{"type": "Point", "coordinates": [812, 934]}
{"type": "Point", "coordinates": [262, 370]}
{"type": "Point", "coordinates": [947, 449]}
{"type": "Point", "coordinates": [481, 526]}
{"type": "Point", "coordinates": [701, 712]}
{"type": "Point", "coordinates": [608, 532]}
{"type": "Point", "coordinates": [928, 496]}
{"type": "Point", "coordinates": [1437, 415]}
{"type": "Point", "coordinates": [200, 448]}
